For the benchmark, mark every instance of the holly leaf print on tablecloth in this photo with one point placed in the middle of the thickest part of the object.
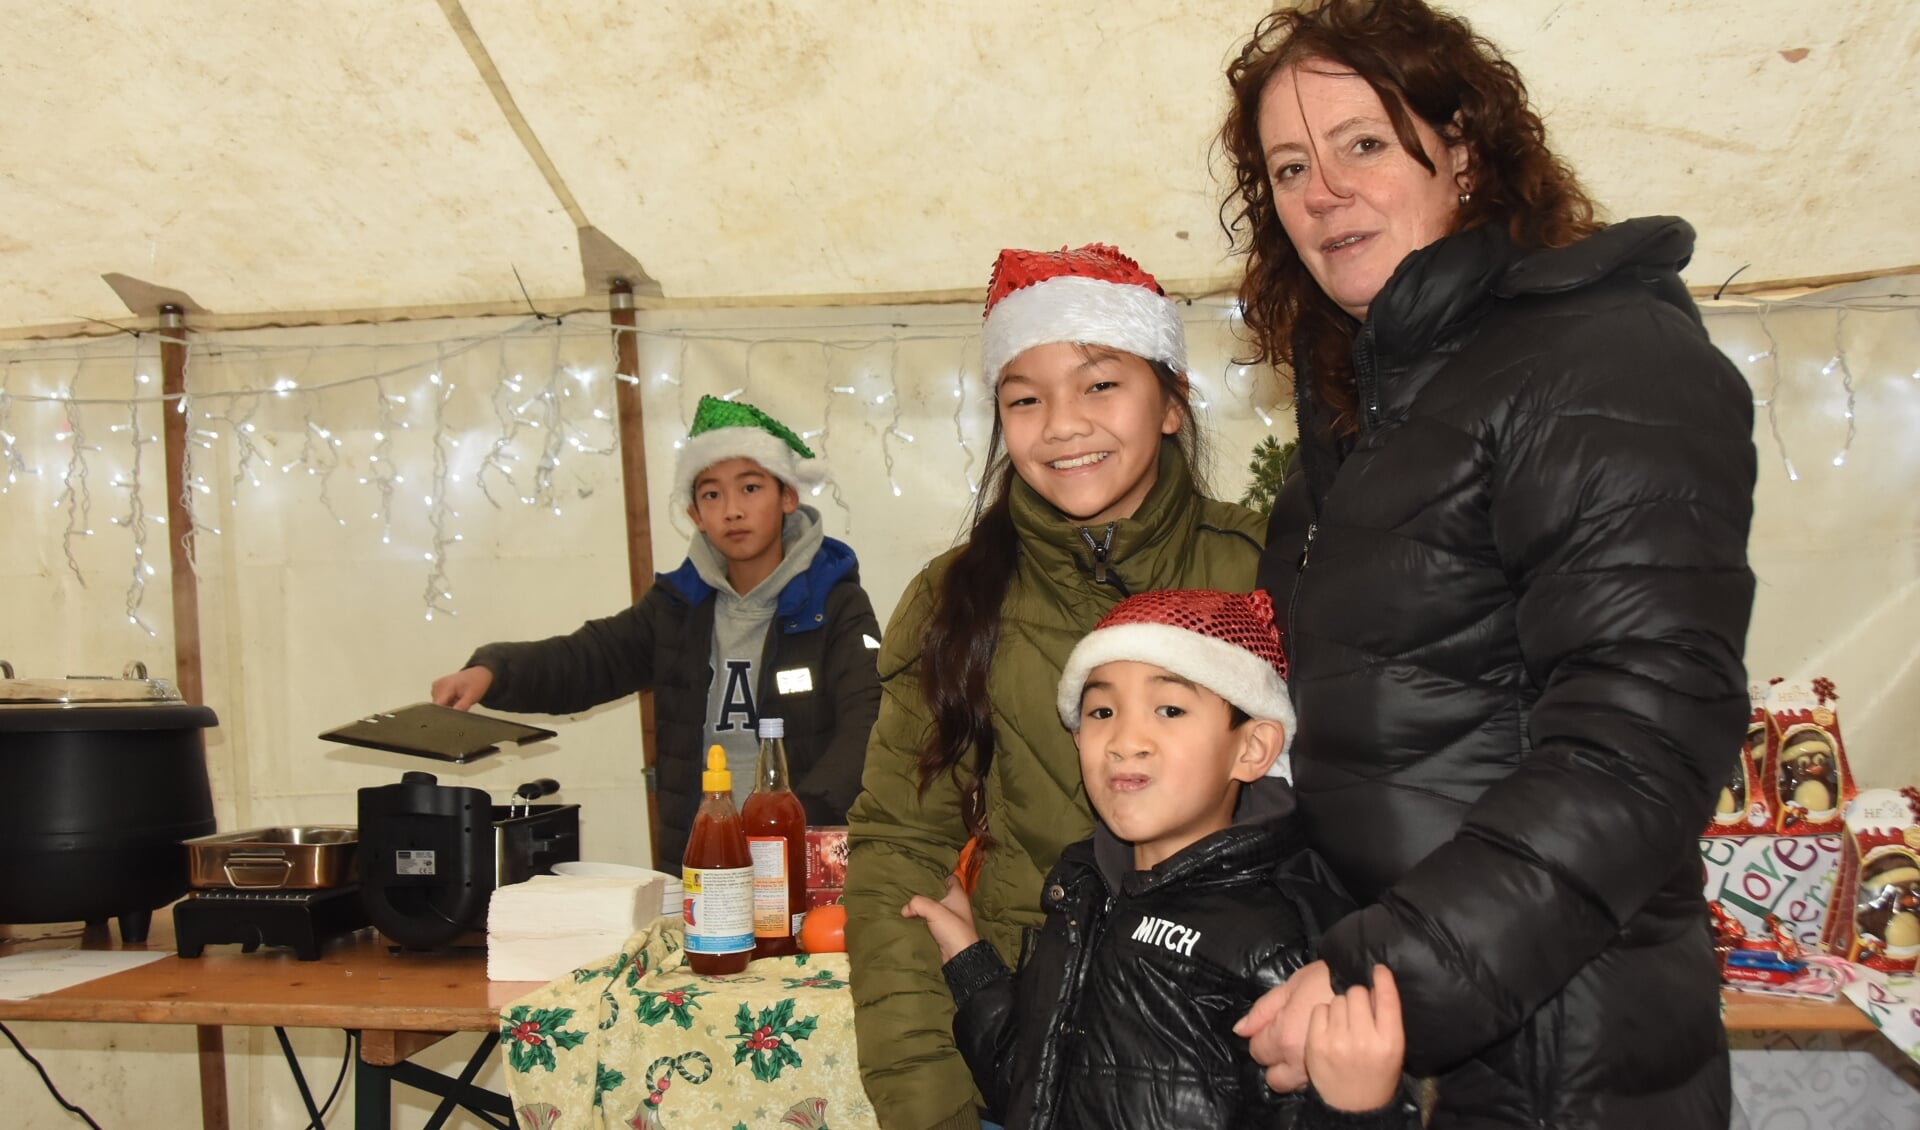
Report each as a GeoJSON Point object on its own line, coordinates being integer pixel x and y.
{"type": "Point", "coordinates": [769, 1043]}
{"type": "Point", "coordinates": [582, 976]}
{"type": "Point", "coordinates": [821, 980]}
{"type": "Point", "coordinates": [605, 1079]}
{"type": "Point", "coordinates": [675, 1004]}
{"type": "Point", "coordinates": [532, 1034]}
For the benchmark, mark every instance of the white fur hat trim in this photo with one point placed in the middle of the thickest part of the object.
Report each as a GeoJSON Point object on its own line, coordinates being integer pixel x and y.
{"type": "Point", "coordinates": [761, 446]}
{"type": "Point", "coordinates": [1071, 308]}
{"type": "Point", "coordinates": [1234, 673]}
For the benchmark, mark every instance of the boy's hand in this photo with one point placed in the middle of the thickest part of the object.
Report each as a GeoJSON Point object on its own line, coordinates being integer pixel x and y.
{"type": "Point", "coordinates": [1355, 1046]}
{"type": "Point", "coordinates": [950, 920]}
{"type": "Point", "coordinates": [1277, 1025]}
{"type": "Point", "coordinates": [462, 689]}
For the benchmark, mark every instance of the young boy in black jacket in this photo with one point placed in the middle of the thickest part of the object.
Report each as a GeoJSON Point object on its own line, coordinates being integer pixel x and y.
{"type": "Point", "coordinates": [1194, 897]}
{"type": "Point", "coordinates": [765, 617]}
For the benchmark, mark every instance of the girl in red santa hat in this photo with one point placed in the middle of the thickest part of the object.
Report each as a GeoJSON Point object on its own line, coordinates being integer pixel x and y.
{"type": "Point", "coordinates": [1092, 493]}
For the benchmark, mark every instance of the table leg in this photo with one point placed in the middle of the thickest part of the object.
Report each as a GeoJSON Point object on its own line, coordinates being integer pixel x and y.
{"type": "Point", "coordinates": [213, 1077]}
{"type": "Point", "coordinates": [372, 1097]}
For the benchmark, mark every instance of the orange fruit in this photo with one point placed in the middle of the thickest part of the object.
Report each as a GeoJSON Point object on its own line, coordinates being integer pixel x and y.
{"type": "Point", "coordinates": [824, 930]}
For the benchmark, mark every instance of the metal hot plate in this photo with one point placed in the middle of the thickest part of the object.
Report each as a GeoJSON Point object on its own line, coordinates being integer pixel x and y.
{"type": "Point", "coordinates": [303, 920]}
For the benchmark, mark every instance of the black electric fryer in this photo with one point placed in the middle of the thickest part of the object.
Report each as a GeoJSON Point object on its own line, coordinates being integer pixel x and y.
{"type": "Point", "coordinates": [432, 854]}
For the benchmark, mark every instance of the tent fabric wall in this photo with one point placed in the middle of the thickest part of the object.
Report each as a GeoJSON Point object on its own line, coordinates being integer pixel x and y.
{"type": "Point", "coordinates": [309, 618]}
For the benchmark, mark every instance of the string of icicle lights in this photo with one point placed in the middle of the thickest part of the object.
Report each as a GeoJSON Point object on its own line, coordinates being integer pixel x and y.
{"type": "Point", "coordinates": [257, 413]}
{"type": "Point", "coordinates": [389, 440]}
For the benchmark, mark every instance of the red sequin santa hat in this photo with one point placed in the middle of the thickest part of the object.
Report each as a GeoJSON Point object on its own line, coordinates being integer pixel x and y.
{"type": "Point", "coordinates": [1223, 641]}
{"type": "Point", "coordinates": [1090, 295]}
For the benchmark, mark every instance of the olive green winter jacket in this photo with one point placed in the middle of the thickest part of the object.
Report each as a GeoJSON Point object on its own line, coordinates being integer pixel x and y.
{"type": "Point", "coordinates": [905, 843]}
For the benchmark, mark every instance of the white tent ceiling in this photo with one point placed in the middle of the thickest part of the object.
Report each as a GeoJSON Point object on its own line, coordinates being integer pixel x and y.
{"type": "Point", "coordinates": [364, 155]}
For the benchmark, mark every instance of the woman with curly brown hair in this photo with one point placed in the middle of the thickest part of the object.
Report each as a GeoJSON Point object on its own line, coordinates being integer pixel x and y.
{"type": "Point", "coordinates": [1510, 567]}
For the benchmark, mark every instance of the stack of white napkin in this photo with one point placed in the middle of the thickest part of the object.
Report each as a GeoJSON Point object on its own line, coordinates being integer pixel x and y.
{"type": "Point", "coordinates": [550, 925]}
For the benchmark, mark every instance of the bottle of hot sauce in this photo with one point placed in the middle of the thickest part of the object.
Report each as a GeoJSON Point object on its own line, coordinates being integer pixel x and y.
{"type": "Point", "coordinates": [717, 872]}
{"type": "Point", "coordinates": [776, 826]}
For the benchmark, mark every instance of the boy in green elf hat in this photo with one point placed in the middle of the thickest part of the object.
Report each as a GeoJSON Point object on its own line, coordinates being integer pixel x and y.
{"type": "Point", "coordinates": [765, 617]}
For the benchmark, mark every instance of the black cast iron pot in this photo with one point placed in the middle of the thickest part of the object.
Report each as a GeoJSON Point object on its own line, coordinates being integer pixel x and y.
{"type": "Point", "coordinates": [100, 780]}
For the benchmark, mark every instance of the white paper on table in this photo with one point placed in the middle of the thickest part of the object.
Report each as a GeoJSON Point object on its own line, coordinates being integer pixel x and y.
{"type": "Point", "coordinates": [25, 975]}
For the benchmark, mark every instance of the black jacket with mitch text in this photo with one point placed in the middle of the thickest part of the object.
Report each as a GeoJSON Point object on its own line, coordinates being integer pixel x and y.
{"type": "Point", "coordinates": [1123, 1012]}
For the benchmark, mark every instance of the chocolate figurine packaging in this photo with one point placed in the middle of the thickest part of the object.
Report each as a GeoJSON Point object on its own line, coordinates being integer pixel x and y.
{"type": "Point", "coordinates": [1874, 917]}
{"type": "Point", "coordinates": [1805, 779]}
{"type": "Point", "coordinates": [1742, 808]}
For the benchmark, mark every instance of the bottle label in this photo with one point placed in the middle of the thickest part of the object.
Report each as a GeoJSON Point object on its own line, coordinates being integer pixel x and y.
{"type": "Point", "coordinates": [772, 917]}
{"type": "Point", "coordinates": [719, 909]}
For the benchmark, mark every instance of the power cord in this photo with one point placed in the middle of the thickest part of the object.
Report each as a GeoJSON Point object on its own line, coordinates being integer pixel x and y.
{"type": "Point", "coordinates": [346, 1057]}
{"type": "Point", "coordinates": [316, 1116]}
{"type": "Point", "coordinates": [51, 1089]}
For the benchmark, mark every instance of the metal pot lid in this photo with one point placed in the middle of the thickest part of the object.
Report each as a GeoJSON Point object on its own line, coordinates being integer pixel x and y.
{"type": "Point", "coordinates": [132, 687]}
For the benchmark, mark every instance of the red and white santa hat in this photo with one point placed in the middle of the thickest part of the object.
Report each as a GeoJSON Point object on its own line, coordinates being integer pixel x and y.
{"type": "Point", "coordinates": [1090, 295]}
{"type": "Point", "coordinates": [1223, 641]}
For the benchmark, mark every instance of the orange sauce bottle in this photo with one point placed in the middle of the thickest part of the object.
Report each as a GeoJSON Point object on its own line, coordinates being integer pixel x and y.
{"type": "Point", "coordinates": [717, 872]}
{"type": "Point", "coordinates": [776, 825]}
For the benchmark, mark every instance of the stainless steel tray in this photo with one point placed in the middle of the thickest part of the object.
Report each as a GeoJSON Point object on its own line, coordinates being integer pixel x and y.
{"type": "Point", "coordinates": [302, 858]}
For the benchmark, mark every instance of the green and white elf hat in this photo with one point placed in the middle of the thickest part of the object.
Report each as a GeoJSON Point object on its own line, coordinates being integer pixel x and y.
{"type": "Point", "coordinates": [728, 429]}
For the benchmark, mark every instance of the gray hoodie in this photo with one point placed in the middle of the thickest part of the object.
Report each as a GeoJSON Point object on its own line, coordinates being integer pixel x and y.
{"type": "Point", "coordinates": [740, 624]}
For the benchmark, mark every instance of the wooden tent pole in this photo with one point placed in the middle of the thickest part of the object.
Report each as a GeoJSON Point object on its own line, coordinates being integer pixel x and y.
{"type": "Point", "coordinates": [632, 417]}
{"type": "Point", "coordinates": [174, 430]}
{"type": "Point", "coordinates": [210, 1040]}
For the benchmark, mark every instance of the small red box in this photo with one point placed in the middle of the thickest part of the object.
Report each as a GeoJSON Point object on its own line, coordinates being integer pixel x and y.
{"type": "Point", "coordinates": [823, 896]}
{"type": "Point", "coordinates": [827, 857]}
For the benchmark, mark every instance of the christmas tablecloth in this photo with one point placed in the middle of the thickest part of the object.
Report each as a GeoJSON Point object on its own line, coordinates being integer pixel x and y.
{"type": "Point", "coordinates": [641, 1042]}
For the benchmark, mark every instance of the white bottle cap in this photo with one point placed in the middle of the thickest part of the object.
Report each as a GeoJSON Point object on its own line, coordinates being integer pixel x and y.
{"type": "Point", "coordinates": [773, 728]}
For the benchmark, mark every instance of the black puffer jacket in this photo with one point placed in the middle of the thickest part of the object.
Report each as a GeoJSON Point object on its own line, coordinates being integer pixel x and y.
{"type": "Point", "coordinates": [1123, 1013]}
{"type": "Point", "coordinates": [823, 623]}
{"type": "Point", "coordinates": [1516, 638]}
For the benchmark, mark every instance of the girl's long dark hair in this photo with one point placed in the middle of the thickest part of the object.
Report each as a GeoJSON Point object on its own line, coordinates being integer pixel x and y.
{"type": "Point", "coordinates": [957, 654]}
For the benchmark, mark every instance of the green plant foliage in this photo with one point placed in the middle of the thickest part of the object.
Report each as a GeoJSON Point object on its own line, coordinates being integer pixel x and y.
{"type": "Point", "coordinates": [1269, 466]}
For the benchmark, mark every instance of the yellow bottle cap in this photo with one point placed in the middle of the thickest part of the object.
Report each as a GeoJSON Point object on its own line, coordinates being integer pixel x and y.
{"type": "Point", "coordinates": [716, 779]}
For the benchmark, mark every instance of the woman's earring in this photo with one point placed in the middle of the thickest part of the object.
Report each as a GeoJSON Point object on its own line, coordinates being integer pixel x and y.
{"type": "Point", "coordinates": [1465, 196]}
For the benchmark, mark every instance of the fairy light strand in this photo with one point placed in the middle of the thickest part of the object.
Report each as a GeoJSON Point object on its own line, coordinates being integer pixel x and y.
{"type": "Point", "coordinates": [76, 498]}
{"type": "Point", "coordinates": [892, 430]}
{"type": "Point", "coordinates": [1846, 381]}
{"type": "Point", "coordinates": [15, 463]}
{"type": "Point", "coordinates": [1772, 357]}
{"type": "Point", "coordinates": [825, 444]}
{"type": "Point", "coordinates": [381, 472]}
{"type": "Point", "coordinates": [966, 350]}
{"type": "Point", "coordinates": [136, 525]}
{"type": "Point", "coordinates": [553, 436]}
{"type": "Point", "coordinates": [439, 508]}
{"type": "Point", "coordinates": [240, 433]}
{"type": "Point", "coordinates": [501, 452]}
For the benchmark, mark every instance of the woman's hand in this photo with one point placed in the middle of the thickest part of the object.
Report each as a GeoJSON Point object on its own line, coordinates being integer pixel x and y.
{"type": "Point", "coordinates": [1277, 1025]}
{"type": "Point", "coordinates": [462, 689]}
{"type": "Point", "coordinates": [1355, 1046]}
{"type": "Point", "coordinates": [950, 920]}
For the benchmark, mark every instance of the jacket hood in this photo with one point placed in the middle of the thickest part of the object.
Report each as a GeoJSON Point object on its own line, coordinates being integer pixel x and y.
{"type": "Point", "coordinates": [803, 597]}
{"type": "Point", "coordinates": [800, 536]}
